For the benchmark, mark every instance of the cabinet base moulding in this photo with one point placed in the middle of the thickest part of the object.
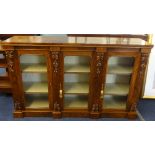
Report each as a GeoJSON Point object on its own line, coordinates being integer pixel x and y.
{"type": "Point", "coordinates": [75, 114]}
{"type": "Point", "coordinates": [18, 114]}
{"type": "Point", "coordinates": [132, 115]}
{"type": "Point", "coordinates": [95, 115]}
{"type": "Point", "coordinates": [57, 114]}
{"type": "Point", "coordinates": [32, 114]}
{"type": "Point", "coordinates": [82, 114]}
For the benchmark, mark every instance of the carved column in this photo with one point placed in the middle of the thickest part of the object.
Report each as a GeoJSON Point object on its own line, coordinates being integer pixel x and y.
{"type": "Point", "coordinates": [11, 57]}
{"type": "Point", "coordinates": [55, 58]}
{"type": "Point", "coordinates": [56, 76]}
{"type": "Point", "coordinates": [140, 78]}
{"type": "Point", "coordinates": [97, 82]}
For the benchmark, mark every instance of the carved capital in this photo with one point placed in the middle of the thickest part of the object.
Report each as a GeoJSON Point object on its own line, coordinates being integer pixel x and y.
{"type": "Point", "coordinates": [9, 54]}
{"type": "Point", "coordinates": [10, 62]}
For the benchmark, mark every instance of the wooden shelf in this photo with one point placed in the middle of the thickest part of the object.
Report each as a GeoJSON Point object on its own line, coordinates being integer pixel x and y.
{"type": "Point", "coordinates": [116, 89]}
{"type": "Point", "coordinates": [77, 69]}
{"type": "Point", "coordinates": [34, 68]}
{"type": "Point", "coordinates": [76, 88]}
{"type": "Point", "coordinates": [36, 102]}
{"type": "Point", "coordinates": [75, 102]}
{"type": "Point", "coordinates": [114, 102]}
{"type": "Point", "coordinates": [31, 88]}
{"type": "Point", "coordinates": [119, 69]}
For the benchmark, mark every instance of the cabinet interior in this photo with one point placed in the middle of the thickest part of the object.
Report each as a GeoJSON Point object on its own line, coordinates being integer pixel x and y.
{"type": "Point", "coordinates": [36, 101]}
{"type": "Point", "coordinates": [118, 77]}
{"type": "Point", "coordinates": [77, 64]}
{"type": "Point", "coordinates": [33, 63]}
{"type": "Point", "coordinates": [75, 101]}
{"type": "Point", "coordinates": [76, 82]}
{"type": "Point", "coordinates": [114, 102]}
{"type": "Point", "coordinates": [35, 82]}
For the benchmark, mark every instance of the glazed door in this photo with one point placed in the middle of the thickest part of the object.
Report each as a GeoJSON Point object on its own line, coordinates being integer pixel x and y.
{"type": "Point", "coordinates": [121, 74]}
{"type": "Point", "coordinates": [76, 80]}
{"type": "Point", "coordinates": [34, 72]}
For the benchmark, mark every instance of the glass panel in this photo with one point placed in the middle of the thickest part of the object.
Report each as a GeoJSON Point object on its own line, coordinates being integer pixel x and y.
{"type": "Point", "coordinates": [33, 63]}
{"type": "Point", "coordinates": [34, 77]}
{"type": "Point", "coordinates": [120, 65]}
{"type": "Point", "coordinates": [117, 82]}
{"type": "Point", "coordinates": [76, 102]}
{"type": "Point", "coordinates": [114, 102]}
{"type": "Point", "coordinates": [35, 82]}
{"type": "Point", "coordinates": [32, 59]}
{"type": "Point", "coordinates": [76, 82]}
{"type": "Point", "coordinates": [76, 78]}
{"type": "Point", "coordinates": [117, 85]}
{"type": "Point", "coordinates": [36, 101]}
{"type": "Point", "coordinates": [77, 64]}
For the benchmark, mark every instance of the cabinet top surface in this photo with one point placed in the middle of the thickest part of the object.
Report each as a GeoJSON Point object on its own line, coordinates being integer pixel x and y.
{"type": "Point", "coordinates": [66, 40]}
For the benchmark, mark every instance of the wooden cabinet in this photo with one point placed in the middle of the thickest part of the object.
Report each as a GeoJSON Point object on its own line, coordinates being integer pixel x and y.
{"type": "Point", "coordinates": [75, 80]}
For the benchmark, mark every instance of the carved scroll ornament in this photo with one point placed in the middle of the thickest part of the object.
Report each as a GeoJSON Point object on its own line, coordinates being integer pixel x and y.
{"type": "Point", "coordinates": [99, 63]}
{"type": "Point", "coordinates": [55, 57]}
{"type": "Point", "coordinates": [10, 56]}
